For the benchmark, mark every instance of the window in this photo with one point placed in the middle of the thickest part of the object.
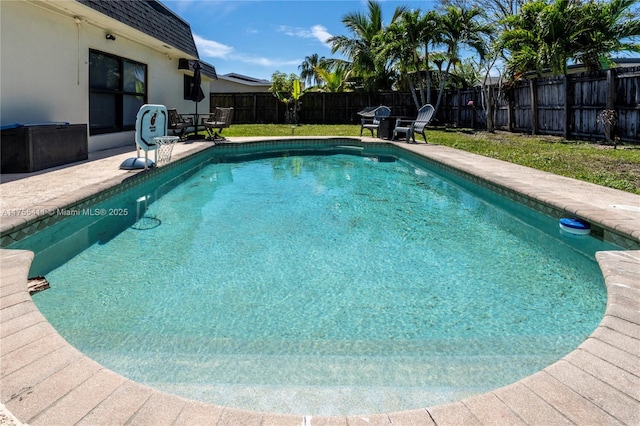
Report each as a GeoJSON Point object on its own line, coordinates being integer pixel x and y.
{"type": "Point", "coordinates": [117, 90]}
{"type": "Point", "coordinates": [188, 86]}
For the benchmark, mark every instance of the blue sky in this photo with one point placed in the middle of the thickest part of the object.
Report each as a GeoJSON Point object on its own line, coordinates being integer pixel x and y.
{"type": "Point", "coordinates": [258, 37]}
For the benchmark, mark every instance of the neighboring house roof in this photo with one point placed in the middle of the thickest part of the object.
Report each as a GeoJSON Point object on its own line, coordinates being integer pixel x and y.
{"type": "Point", "coordinates": [154, 19]}
{"type": "Point", "coordinates": [243, 79]}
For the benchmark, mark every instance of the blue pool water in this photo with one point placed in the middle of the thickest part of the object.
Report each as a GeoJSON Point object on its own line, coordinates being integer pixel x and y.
{"type": "Point", "coordinates": [326, 285]}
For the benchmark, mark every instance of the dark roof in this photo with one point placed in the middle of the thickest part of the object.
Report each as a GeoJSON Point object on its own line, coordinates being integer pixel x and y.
{"type": "Point", "coordinates": [247, 78]}
{"type": "Point", "coordinates": [208, 70]}
{"type": "Point", "coordinates": [150, 17]}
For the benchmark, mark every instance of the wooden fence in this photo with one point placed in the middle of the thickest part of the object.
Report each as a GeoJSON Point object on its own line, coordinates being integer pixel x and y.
{"type": "Point", "coordinates": [566, 108]}
{"type": "Point", "coordinates": [571, 108]}
{"type": "Point", "coordinates": [317, 108]}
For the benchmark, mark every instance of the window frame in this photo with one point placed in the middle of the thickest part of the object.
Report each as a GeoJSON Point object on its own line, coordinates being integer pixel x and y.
{"type": "Point", "coordinates": [118, 94]}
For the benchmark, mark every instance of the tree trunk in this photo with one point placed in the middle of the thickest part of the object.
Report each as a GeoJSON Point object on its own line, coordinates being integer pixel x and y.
{"type": "Point", "coordinates": [441, 92]}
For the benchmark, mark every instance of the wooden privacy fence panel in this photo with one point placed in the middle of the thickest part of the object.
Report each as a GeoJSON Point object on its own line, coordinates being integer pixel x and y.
{"type": "Point", "coordinates": [627, 104]}
{"type": "Point", "coordinates": [461, 108]}
{"type": "Point", "coordinates": [547, 105]}
{"type": "Point", "coordinates": [522, 117]}
{"type": "Point", "coordinates": [550, 99]}
{"type": "Point", "coordinates": [571, 108]}
{"type": "Point", "coordinates": [323, 108]}
{"type": "Point", "coordinates": [587, 98]}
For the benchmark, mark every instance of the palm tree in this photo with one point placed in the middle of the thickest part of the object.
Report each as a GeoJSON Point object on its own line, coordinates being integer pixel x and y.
{"type": "Point", "coordinates": [399, 43]}
{"type": "Point", "coordinates": [521, 39]}
{"type": "Point", "coordinates": [373, 70]}
{"type": "Point", "coordinates": [546, 36]}
{"type": "Point", "coordinates": [460, 27]}
{"type": "Point", "coordinates": [308, 68]}
{"type": "Point", "coordinates": [403, 41]}
{"type": "Point", "coordinates": [334, 81]}
{"type": "Point", "coordinates": [605, 28]}
{"type": "Point", "coordinates": [429, 35]}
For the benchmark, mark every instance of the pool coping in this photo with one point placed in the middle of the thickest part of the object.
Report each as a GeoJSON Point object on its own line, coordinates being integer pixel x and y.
{"type": "Point", "coordinates": [47, 381]}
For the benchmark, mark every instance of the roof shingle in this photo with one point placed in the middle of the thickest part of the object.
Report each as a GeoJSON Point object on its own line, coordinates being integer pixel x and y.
{"type": "Point", "coordinates": [153, 18]}
{"type": "Point", "coordinates": [150, 17]}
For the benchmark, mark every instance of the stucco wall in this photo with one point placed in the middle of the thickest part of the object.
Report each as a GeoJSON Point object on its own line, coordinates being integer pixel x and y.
{"type": "Point", "coordinates": [225, 86]}
{"type": "Point", "coordinates": [44, 70]}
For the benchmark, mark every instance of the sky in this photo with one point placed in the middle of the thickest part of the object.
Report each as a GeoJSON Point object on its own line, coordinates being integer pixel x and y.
{"type": "Point", "coordinates": [258, 37]}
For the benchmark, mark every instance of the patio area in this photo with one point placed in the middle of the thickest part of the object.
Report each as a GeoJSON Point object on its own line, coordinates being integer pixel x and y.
{"type": "Point", "coordinates": [46, 381]}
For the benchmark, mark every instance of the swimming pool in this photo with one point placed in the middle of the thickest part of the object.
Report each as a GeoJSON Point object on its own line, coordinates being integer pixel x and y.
{"type": "Point", "coordinates": [400, 352]}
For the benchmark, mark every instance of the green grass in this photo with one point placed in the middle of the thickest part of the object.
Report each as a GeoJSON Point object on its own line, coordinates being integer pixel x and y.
{"type": "Point", "coordinates": [590, 162]}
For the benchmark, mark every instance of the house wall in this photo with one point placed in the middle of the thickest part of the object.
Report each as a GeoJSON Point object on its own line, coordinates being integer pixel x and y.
{"type": "Point", "coordinates": [225, 86]}
{"type": "Point", "coordinates": [44, 70]}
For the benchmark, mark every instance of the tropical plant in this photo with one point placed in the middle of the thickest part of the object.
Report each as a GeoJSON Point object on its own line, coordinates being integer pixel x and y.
{"type": "Point", "coordinates": [308, 69]}
{"type": "Point", "coordinates": [406, 42]}
{"type": "Point", "coordinates": [605, 28]}
{"type": "Point", "coordinates": [466, 74]}
{"type": "Point", "coordinates": [335, 77]}
{"type": "Point", "coordinates": [288, 90]}
{"type": "Point", "coordinates": [373, 72]}
{"type": "Point", "coordinates": [461, 26]}
{"type": "Point", "coordinates": [546, 36]}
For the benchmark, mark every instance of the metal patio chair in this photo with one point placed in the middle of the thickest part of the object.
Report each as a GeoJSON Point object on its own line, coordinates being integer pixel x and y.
{"type": "Point", "coordinates": [178, 123]}
{"type": "Point", "coordinates": [220, 119]}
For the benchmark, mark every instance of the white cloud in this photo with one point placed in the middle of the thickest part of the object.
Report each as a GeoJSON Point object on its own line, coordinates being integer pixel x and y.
{"type": "Point", "coordinates": [211, 49]}
{"type": "Point", "coordinates": [262, 61]}
{"type": "Point", "coordinates": [318, 32]}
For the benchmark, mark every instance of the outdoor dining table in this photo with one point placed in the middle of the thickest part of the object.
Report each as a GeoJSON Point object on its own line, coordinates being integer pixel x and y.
{"type": "Point", "coordinates": [197, 120]}
{"type": "Point", "coordinates": [387, 124]}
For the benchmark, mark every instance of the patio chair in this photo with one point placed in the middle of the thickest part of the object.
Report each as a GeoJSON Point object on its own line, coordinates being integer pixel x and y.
{"type": "Point", "coordinates": [419, 125]}
{"type": "Point", "coordinates": [217, 121]}
{"type": "Point", "coordinates": [178, 123]}
{"type": "Point", "coordinates": [371, 118]}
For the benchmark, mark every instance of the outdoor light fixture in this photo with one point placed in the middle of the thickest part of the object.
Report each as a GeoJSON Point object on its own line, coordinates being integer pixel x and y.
{"type": "Point", "coordinates": [110, 36]}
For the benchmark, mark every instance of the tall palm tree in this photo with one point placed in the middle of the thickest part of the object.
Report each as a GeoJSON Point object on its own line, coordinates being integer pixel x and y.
{"type": "Point", "coordinates": [374, 71]}
{"type": "Point", "coordinates": [460, 26]}
{"type": "Point", "coordinates": [606, 28]}
{"type": "Point", "coordinates": [399, 43]}
{"type": "Point", "coordinates": [521, 39]}
{"type": "Point", "coordinates": [546, 36]}
{"type": "Point", "coordinates": [308, 69]}
{"type": "Point", "coordinates": [429, 24]}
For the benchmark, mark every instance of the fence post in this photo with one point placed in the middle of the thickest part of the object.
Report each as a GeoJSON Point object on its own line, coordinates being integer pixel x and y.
{"type": "Point", "coordinates": [459, 110]}
{"type": "Point", "coordinates": [510, 110]}
{"type": "Point", "coordinates": [491, 108]}
{"type": "Point", "coordinates": [346, 110]}
{"type": "Point", "coordinates": [567, 109]}
{"type": "Point", "coordinates": [534, 106]}
{"type": "Point", "coordinates": [611, 104]}
{"type": "Point", "coordinates": [255, 107]}
{"type": "Point", "coordinates": [324, 108]}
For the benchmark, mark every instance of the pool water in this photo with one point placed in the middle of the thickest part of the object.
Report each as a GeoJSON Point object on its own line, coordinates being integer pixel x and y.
{"type": "Point", "coordinates": [325, 285]}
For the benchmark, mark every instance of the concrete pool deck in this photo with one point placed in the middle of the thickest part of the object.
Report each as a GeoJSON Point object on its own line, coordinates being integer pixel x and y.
{"type": "Point", "coordinates": [44, 380]}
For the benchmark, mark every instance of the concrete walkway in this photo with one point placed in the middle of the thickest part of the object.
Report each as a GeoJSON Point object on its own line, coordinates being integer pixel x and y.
{"type": "Point", "coordinates": [45, 381]}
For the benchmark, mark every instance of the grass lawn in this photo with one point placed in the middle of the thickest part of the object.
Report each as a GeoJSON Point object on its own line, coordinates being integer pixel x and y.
{"type": "Point", "coordinates": [590, 162]}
